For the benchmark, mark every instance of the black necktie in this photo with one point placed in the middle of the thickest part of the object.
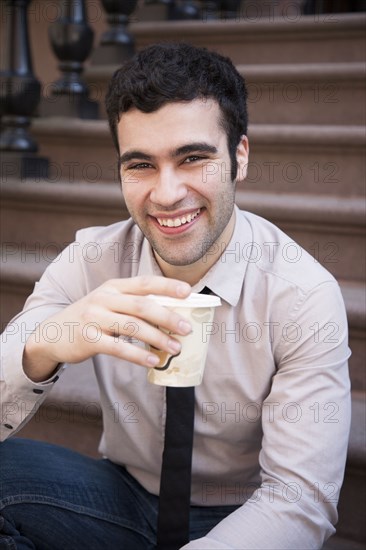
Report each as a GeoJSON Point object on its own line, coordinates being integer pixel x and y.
{"type": "Point", "coordinates": [175, 482]}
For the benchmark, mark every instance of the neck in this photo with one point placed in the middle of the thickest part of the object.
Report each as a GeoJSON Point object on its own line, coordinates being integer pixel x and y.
{"type": "Point", "coordinates": [189, 273]}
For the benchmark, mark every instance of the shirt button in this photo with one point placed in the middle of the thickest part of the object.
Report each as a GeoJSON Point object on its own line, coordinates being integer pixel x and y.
{"type": "Point", "coordinates": [8, 426]}
{"type": "Point", "coordinates": [37, 391]}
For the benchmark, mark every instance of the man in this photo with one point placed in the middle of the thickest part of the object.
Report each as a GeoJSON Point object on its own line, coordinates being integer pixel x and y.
{"type": "Point", "coordinates": [272, 413]}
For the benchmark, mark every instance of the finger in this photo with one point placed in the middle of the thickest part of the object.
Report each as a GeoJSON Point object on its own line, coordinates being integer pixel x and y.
{"type": "Point", "coordinates": [125, 328]}
{"type": "Point", "coordinates": [144, 285]}
{"type": "Point", "coordinates": [128, 352]}
{"type": "Point", "coordinates": [141, 307]}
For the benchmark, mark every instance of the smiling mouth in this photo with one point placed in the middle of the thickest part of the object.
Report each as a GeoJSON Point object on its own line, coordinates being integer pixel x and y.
{"type": "Point", "coordinates": [177, 222]}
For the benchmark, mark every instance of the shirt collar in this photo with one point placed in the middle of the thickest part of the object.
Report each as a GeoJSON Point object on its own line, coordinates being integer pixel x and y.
{"type": "Point", "coordinates": [226, 277]}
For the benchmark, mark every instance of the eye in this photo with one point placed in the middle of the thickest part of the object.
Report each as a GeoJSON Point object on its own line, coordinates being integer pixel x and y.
{"type": "Point", "coordinates": [193, 158]}
{"type": "Point", "coordinates": [139, 166]}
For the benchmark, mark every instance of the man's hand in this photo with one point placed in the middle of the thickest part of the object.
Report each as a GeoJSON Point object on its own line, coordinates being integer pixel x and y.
{"type": "Point", "coordinates": [103, 321]}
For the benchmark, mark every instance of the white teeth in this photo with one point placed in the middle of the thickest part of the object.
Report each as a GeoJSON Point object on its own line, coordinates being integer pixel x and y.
{"type": "Point", "coordinates": [176, 222]}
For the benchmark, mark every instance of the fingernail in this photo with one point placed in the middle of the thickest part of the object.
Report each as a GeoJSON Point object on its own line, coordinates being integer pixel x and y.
{"type": "Point", "coordinates": [174, 346]}
{"type": "Point", "coordinates": [184, 327]}
{"type": "Point", "coordinates": [183, 289]}
{"type": "Point", "coordinates": [152, 360]}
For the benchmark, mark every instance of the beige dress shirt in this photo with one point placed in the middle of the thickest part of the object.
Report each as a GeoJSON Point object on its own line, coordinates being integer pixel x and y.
{"type": "Point", "coordinates": [272, 414]}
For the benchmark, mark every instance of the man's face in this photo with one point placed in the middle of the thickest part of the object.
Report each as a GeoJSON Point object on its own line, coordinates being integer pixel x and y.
{"type": "Point", "coordinates": [175, 173]}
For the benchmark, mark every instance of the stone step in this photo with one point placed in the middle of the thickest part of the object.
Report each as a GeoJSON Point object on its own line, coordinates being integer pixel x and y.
{"type": "Point", "coordinates": [308, 93]}
{"type": "Point", "coordinates": [313, 93]}
{"type": "Point", "coordinates": [291, 39]}
{"type": "Point", "coordinates": [44, 217]}
{"type": "Point", "coordinates": [47, 215]}
{"type": "Point", "coordinates": [322, 160]}
{"type": "Point", "coordinates": [341, 543]}
{"type": "Point", "coordinates": [352, 503]}
{"type": "Point", "coordinates": [306, 159]}
{"type": "Point", "coordinates": [354, 295]}
{"type": "Point", "coordinates": [331, 229]}
{"type": "Point", "coordinates": [308, 39]}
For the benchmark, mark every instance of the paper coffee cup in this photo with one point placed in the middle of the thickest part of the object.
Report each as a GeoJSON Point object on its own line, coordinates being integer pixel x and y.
{"type": "Point", "coordinates": [186, 368]}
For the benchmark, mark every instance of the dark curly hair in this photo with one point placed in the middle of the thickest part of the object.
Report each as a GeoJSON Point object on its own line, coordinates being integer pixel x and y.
{"type": "Point", "coordinates": [169, 72]}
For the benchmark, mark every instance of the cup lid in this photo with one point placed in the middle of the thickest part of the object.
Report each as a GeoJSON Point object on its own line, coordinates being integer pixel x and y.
{"type": "Point", "coordinates": [193, 300]}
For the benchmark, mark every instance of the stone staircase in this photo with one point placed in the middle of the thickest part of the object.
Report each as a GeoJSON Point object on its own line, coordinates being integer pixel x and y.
{"type": "Point", "coordinates": [306, 81]}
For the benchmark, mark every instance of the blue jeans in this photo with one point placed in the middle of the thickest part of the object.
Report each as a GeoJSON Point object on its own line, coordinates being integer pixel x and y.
{"type": "Point", "coordinates": [52, 498]}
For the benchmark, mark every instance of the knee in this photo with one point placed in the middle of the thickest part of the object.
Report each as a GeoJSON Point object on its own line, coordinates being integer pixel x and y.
{"type": "Point", "coordinates": [13, 454]}
{"type": "Point", "coordinates": [14, 448]}
{"type": "Point", "coordinates": [21, 461]}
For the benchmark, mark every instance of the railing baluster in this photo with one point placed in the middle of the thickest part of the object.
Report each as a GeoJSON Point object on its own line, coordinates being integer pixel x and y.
{"type": "Point", "coordinates": [117, 43]}
{"type": "Point", "coordinates": [179, 10]}
{"type": "Point", "coordinates": [20, 93]}
{"type": "Point", "coordinates": [210, 9]}
{"type": "Point", "coordinates": [71, 39]}
{"type": "Point", "coordinates": [230, 9]}
{"type": "Point", "coordinates": [200, 9]}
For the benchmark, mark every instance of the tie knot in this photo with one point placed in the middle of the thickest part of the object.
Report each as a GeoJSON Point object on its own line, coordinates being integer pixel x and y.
{"type": "Point", "coordinates": [205, 290]}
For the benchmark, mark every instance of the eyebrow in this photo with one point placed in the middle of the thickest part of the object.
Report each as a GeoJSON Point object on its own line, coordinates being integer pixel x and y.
{"type": "Point", "coordinates": [201, 147]}
{"type": "Point", "coordinates": [129, 155]}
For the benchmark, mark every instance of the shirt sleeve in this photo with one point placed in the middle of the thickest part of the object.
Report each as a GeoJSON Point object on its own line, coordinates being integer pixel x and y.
{"type": "Point", "coordinates": [305, 422]}
{"type": "Point", "coordinates": [20, 396]}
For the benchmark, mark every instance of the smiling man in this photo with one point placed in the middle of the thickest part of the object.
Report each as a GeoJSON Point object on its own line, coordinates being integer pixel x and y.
{"type": "Point", "coordinates": [272, 413]}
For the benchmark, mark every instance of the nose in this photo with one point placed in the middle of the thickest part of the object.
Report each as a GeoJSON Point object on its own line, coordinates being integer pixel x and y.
{"type": "Point", "coordinates": [168, 188]}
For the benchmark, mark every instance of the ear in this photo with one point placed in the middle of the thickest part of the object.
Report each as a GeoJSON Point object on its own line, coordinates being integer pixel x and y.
{"type": "Point", "coordinates": [242, 157]}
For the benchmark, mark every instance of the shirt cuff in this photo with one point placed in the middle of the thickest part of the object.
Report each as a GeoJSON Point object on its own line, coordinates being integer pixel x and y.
{"type": "Point", "coordinates": [20, 396]}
